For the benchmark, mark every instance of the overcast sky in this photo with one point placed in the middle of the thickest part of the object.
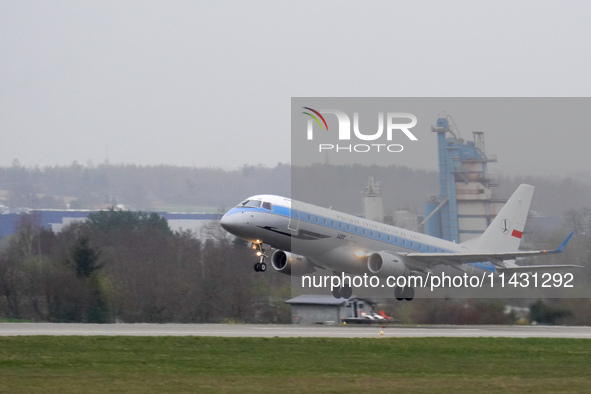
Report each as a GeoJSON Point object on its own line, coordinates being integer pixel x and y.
{"type": "Point", "coordinates": [209, 83]}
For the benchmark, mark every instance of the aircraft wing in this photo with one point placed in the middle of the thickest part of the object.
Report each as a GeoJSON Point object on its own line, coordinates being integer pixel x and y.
{"type": "Point", "coordinates": [498, 259]}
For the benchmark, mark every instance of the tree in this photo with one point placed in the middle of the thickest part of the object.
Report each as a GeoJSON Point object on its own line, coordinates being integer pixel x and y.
{"type": "Point", "coordinates": [547, 314]}
{"type": "Point", "coordinates": [22, 269]}
{"type": "Point", "coordinates": [84, 259]}
{"type": "Point", "coordinates": [119, 220]}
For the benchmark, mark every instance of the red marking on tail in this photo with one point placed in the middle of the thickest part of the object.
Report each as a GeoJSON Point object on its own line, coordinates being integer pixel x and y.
{"type": "Point", "coordinates": [517, 234]}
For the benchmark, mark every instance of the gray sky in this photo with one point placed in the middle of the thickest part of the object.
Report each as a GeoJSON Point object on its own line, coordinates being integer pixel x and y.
{"type": "Point", "coordinates": [209, 83]}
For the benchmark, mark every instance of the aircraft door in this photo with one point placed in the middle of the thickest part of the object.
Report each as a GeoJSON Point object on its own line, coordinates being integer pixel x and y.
{"type": "Point", "coordinates": [294, 217]}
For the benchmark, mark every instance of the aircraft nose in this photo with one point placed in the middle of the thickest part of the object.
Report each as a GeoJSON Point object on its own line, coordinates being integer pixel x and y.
{"type": "Point", "coordinates": [230, 223]}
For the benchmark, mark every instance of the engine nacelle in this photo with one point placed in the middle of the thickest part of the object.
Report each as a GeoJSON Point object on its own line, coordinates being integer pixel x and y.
{"type": "Point", "coordinates": [387, 264]}
{"type": "Point", "coordinates": [288, 263]}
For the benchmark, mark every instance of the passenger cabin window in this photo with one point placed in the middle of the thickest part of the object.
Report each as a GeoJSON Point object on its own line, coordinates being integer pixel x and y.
{"type": "Point", "coordinates": [267, 205]}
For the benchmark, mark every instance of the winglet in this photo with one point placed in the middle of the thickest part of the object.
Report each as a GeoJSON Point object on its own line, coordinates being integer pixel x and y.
{"type": "Point", "coordinates": [563, 244]}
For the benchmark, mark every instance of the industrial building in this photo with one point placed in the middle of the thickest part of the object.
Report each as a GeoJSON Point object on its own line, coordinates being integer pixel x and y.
{"type": "Point", "coordinates": [325, 309]}
{"type": "Point", "coordinates": [56, 220]}
{"type": "Point", "coordinates": [465, 205]}
{"type": "Point", "coordinates": [373, 208]}
{"type": "Point", "coordinates": [373, 204]}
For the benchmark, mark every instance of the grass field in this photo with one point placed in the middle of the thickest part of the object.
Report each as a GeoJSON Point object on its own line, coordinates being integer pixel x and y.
{"type": "Point", "coordinates": [205, 364]}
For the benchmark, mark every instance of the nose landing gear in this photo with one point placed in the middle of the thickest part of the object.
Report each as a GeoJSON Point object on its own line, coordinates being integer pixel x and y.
{"type": "Point", "coordinates": [261, 266]}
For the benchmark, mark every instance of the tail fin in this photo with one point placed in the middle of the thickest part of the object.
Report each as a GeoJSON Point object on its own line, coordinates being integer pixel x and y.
{"type": "Point", "coordinates": [504, 233]}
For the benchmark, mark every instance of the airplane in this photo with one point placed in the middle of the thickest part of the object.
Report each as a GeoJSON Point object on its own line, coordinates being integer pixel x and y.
{"type": "Point", "coordinates": [332, 240]}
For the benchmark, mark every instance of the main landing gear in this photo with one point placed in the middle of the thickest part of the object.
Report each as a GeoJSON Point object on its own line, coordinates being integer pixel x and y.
{"type": "Point", "coordinates": [261, 266]}
{"type": "Point", "coordinates": [404, 293]}
{"type": "Point", "coordinates": [342, 292]}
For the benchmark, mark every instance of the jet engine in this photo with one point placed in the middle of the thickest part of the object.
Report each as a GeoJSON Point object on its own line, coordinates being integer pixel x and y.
{"type": "Point", "coordinates": [288, 263]}
{"type": "Point", "coordinates": [387, 264]}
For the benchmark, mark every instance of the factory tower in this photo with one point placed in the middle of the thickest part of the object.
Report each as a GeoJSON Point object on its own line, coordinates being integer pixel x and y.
{"type": "Point", "coordinates": [464, 207]}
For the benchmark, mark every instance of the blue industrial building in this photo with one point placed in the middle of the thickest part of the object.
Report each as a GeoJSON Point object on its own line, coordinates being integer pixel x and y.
{"type": "Point", "coordinates": [56, 219]}
{"type": "Point", "coordinates": [464, 207]}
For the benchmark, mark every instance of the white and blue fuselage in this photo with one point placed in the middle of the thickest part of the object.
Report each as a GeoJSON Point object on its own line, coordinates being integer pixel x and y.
{"type": "Point", "coordinates": [307, 237]}
{"type": "Point", "coordinates": [332, 239]}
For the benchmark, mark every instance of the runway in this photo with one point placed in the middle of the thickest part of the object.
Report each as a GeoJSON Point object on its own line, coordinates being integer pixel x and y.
{"type": "Point", "coordinates": [290, 331]}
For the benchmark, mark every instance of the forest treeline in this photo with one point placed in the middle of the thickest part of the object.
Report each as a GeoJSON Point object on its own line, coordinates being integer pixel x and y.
{"type": "Point", "coordinates": [129, 266]}
{"type": "Point", "coordinates": [123, 266]}
{"type": "Point", "coordinates": [137, 187]}
{"type": "Point", "coordinates": [162, 187]}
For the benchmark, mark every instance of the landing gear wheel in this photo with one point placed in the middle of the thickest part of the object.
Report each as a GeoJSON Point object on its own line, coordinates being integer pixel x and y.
{"type": "Point", "coordinates": [399, 293]}
{"type": "Point", "coordinates": [257, 267]}
{"type": "Point", "coordinates": [346, 292]}
{"type": "Point", "coordinates": [262, 267]}
{"type": "Point", "coordinates": [409, 293]}
{"type": "Point", "coordinates": [336, 292]}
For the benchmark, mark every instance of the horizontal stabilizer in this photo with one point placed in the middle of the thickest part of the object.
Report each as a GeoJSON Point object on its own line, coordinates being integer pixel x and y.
{"type": "Point", "coordinates": [539, 268]}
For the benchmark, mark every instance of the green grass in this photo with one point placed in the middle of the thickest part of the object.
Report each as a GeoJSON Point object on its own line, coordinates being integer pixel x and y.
{"type": "Point", "coordinates": [9, 320]}
{"type": "Point", "coordinates": [205, 364]}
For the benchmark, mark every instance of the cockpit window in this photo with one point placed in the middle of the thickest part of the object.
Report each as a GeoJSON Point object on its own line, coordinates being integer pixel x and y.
{"type": "Point", "coordinates": [267, 205]}
{"type": "Point", "coordinates": [250, 203]}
